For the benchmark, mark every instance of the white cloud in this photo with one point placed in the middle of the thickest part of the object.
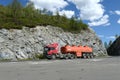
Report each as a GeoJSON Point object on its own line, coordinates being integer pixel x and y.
{"type": "Point", "coordinates": [51, 5]}
{"type": "Point", "coordinates": [118, 21]}
{"type": "Point", "coordinates": [90, 9]}
{"type": "Point", "coordinates": [93, 11]}
{"type": "Point", "coordinates": [101, 36]}
{"type": "Point", "coordinates": [107, 24]}
{"type": "Point", "coordinates": [110, 37]}
{"type": "Point", "coordinates": [117, 12]}
{"type": "Point", "coordinates": [107, 37]}
{"type": "Point", "coordinates": [102, 21]}
{"type": "Point", "coordinates": [111, 12]}
{"type": "Point", "coordinates": [68, 13]}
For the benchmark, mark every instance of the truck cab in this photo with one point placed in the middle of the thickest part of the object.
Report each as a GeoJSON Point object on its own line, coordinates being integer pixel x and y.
{"type": "Point", "coordinates": [51, 50]}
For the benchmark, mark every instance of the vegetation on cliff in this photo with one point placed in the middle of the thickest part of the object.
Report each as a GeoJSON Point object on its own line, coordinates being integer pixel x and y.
{"type": "Point", "coordinates": [15, 16]}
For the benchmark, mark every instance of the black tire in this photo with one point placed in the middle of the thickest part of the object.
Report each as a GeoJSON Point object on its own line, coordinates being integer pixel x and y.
{"type": "Point", "coordinates": [84, 56]}
{"type": "Point", "coordinates": [91, 56]}
{"type": "Point", "coordinates": [53, 57]}
{"type": "Point", "coordinates": [66, 56]}
{"type": "Point", "coordinates": [69, 55]}
{"type": "Point", "coordinates": [72, 56]}
{"type": "Point", "coordinates": [61, 56]}
{"type": "Point", "coordinates": [88, 55]}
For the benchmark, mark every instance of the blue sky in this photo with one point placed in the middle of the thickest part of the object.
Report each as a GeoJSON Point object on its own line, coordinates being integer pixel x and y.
{"type": "Point", "coordinates": [103, 16]}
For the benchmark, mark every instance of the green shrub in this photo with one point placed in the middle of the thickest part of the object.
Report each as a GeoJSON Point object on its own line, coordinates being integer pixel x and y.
{"type": "Point", "coordinates": [14, 16]}
{"type": "Point", "coordinates": [39, 56]}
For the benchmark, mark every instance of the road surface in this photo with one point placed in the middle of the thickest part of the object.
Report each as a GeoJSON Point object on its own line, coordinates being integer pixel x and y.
{"type": "Point", "coordinates": [78, 69]}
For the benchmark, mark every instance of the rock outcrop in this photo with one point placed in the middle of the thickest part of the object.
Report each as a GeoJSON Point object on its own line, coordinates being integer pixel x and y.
{"type": "Point", "coordinates": [114, 49]}
{"type": "Point", "coordinates": [25, 43]}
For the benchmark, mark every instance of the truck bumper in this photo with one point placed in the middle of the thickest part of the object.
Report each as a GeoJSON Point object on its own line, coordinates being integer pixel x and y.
{"type": "Point", "coordinates": [48, 56]}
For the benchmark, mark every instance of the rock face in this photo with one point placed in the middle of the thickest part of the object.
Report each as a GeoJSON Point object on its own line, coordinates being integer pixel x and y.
{"type": "Point", "coordinates": [114, 49]}
{"type": "Point", "coordinates": [25, 43]}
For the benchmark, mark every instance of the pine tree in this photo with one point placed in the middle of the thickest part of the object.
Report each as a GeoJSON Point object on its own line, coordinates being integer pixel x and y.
{"type": "Point", "coordinates": [110, 43]}
{"type": "Point", "coordinates": [106, 45]}
{"type": "Point", "coordinates": [15, 8]}
{"type": "Point", "coordinates": [73, 24]}
{"type": "Point", "coordinates": [116, 36]}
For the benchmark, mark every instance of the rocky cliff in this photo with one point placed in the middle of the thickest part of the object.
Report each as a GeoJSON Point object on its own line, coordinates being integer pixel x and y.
{"type": "Point", "coordinates": [25, 43]}
{"type": "Point", "coordinates": [114, 49]}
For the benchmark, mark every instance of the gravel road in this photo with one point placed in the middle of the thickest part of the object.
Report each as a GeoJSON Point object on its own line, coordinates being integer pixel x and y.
{"type": "Point", "coordinates": [78, 69]}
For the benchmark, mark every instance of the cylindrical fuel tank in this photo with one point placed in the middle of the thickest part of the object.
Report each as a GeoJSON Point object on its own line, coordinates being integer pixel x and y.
{"type": "Point", "coordinates": [69, 49]}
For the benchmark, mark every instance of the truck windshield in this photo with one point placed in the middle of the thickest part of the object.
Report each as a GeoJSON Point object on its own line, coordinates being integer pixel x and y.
{"type": "Point", "coordinates": [52, 48]}
{"type": "Point", "coordinates": [49, 48]}
{"type": "Point", "coordinates": [46, 49]}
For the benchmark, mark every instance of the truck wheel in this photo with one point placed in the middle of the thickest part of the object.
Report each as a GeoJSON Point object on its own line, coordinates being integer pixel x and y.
{"type": "Point", "coordinates": [66, 56]}
{"type": "Point", "coordinates": [91, 55]}
{"type": "Point", "coordinates": [88, 56]}
{"type": "Point", "coordinates": [72, 56]}
{"type": "Point", "coordinates": [53, 57]}
{"type": "Point", "coordinates": [84, 56]}
{"type": "Point", "coordinates": [61, 56]}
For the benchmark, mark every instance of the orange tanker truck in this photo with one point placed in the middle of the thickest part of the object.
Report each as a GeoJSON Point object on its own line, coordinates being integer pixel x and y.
{"type": "Point", "coordinates": [52, 51]}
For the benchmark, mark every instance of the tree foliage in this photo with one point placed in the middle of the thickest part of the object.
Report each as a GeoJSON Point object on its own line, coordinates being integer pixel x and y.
{"type": "Point", "coordinates": [116, 36]}
{"type": "Point", "coordinates": [110, 43]}
{"type": "Point", "coordinates": [15, 16]}
{"type": "Point", "coordinates": [106, 45]}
